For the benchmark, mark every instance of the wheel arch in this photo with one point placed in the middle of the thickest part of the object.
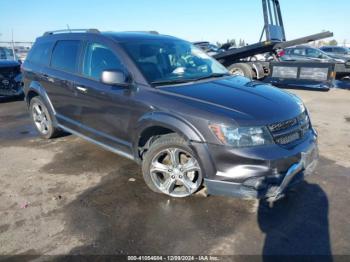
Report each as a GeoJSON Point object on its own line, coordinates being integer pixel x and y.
{"type": "Point", "coordinates": [156, 124]}
{"type": "Point", "coordinates": [35, 89]}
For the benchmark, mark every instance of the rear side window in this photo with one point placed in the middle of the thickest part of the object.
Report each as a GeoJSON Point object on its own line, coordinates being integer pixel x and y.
{"type": "Point", "coordinates": [65, 55]}
{"type": "Point", "coordinates": [40, 53]}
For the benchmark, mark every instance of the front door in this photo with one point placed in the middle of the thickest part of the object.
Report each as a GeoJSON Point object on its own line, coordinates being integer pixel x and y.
{"type": "Point", "coordinates": [104, 110]}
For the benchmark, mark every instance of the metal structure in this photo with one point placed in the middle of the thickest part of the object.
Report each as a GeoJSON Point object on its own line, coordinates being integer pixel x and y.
{"type": "Point", "coordinates": [273, 28]}
{"type": "Point", "coordinates": [237, 60]}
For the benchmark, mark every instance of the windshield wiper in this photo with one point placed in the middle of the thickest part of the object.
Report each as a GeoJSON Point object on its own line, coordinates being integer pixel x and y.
{"type": "Point", "coordinates": [216, 75]}
{"type": "Point", "coordinates": [181, 81]}
{"type": "Point", "coordinates": [171, 82]}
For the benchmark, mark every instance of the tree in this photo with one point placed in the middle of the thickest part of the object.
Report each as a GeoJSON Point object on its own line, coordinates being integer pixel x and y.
{"type": "Point", "coordinates": [333, 42]}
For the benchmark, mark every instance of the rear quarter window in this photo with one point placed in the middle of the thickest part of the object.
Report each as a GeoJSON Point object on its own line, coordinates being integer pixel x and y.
{"type": "Point", "coordinates": [40, 53]}
{"type": "Point", "coordinates": [65, 55]}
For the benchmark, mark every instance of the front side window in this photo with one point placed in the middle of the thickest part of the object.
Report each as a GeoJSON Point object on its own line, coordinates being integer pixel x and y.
{"type": "Point", "coordinates": [97, 59]}
{"type": "Point", "coordinates": [65, 55]}
{"type": "Point", "coordinates": [172, 60]}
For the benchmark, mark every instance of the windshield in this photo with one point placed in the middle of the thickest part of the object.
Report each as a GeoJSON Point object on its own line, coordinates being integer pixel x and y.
{"type": "Point", "coordinates": [316, 53]}
{"type": "Point", "coordinates": [166, 61]}
{"type": "Point", "coordinates": [341, 50]}
{"type": "Point", "coordinates": [6, 54]}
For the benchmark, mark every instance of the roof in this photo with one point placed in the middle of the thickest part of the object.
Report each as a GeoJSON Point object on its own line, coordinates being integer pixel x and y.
{"type": "Point", "coordinates": [118, 36]}
{"type": "Point", "coordinates": [137, 36]}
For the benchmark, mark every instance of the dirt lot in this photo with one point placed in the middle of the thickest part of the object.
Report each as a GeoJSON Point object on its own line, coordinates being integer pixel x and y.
{"type": "Point", "coordinates": [67, 196]}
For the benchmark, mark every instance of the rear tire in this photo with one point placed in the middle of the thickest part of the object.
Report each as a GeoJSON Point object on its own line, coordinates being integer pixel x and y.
{"type": "Point", "coordinates": [42, 119]}
{"type": "Point", "coordinates": [241, 69]}
{"type": "Point", "coordinates": [171, 167]}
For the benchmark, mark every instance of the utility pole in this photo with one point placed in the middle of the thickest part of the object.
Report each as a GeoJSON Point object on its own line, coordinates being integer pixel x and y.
{"type": "Point", "coordinates": [13, 47]}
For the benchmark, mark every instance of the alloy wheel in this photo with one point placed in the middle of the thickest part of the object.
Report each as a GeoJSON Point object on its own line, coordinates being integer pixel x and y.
{"type": "Point", "coordinates": [40, 118]}
{"type": "Point", "coordinates": [176, 172]}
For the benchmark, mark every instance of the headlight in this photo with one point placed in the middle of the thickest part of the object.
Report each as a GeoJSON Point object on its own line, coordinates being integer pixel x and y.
{"type": "Point", "coordinates": [241, 136]}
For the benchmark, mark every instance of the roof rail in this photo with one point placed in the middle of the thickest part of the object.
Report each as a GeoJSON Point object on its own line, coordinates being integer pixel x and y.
{"type": "Point", "coordinates": [92, 31]}
{"type": "Point", "coordinates": [153, 32]}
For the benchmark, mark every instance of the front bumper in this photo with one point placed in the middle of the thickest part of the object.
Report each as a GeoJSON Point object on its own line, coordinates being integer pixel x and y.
{"type": "Point", "coordinates": [10, 87]}
{"type": "Point", "coordinates": [265, 172]}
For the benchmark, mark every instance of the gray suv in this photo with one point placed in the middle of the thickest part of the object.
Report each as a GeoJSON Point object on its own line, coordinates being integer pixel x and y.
{"type": "Point", "coordinates": [165, 104]}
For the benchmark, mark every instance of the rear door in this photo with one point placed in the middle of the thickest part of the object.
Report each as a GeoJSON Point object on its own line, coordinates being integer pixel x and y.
{"type": "Point", "coordinates": [60, 80]}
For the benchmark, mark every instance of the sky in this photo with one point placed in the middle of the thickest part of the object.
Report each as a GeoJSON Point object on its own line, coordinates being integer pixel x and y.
{"type": "Point", "coordinates": [193, 20]}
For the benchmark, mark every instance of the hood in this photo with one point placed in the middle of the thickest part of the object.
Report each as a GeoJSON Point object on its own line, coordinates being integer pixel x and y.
{"type": "Point", "coordinates": [8, 63]}
{"type": "Point", "coordinates": [250, 100]}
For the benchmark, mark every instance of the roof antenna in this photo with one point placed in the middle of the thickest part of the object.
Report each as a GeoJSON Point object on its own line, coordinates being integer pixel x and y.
{"type": "Point", "coordinates": [69, 28]}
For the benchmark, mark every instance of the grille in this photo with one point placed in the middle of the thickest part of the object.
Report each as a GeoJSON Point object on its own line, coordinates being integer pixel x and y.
{"type": "Point", "coordinates": [289, 131]}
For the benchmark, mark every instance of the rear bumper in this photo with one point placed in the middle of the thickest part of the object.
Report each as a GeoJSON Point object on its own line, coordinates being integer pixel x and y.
{"type": "Point", "coordinates": [261, 172]}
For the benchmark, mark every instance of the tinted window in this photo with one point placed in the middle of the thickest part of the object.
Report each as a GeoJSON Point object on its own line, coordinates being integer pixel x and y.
{"type": "Point", "coordinates": [65, 55]}
{"type": "Point", "coordinates": [327, 49]}
{"type": "Point", "coordinates": [98, 58]}
{"type": "Point", "coordinates": [40, 53]}
{"type": "Point", "coordinates": [172, 60]}
{"type": "Point", "coordinates": [313, 53]}
{"type": "Point", "coordinates": [298, 51]}
{"type": "Point", "coordinates": [340, 50]}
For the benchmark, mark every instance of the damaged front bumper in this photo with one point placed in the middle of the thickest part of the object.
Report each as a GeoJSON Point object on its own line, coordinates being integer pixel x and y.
{"type": "Point", "coordinates": [262, 173]}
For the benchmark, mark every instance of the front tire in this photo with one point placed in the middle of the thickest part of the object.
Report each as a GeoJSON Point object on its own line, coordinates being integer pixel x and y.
{"type": "Point", "coordinates": [42, 118]}
{"type": "Point", "coordinates": [171, 167]}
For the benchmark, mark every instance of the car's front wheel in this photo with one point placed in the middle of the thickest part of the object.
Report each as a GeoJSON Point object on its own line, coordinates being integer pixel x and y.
{"type": "Point", "coordinates": [171, 167]}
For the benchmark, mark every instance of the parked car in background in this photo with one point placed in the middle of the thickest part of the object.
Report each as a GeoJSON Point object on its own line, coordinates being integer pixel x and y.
{"type": "Point", "coordinates": [8, 54]}
{"type": "Point", "coordinates": [337, 52]}
{"type": "Point", "coordinates": [165, 104]}
{"type": "Point", "coordinates": [310, 54]}
{"type": "Point", "coordinates": [307, 53]}
{"type": "Point", "coordinates": [10, 78]}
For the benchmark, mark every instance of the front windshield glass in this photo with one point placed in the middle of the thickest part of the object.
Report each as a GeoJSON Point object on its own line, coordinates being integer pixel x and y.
{"type": "Point", "coordinates": [6, 54]}
{"type": "Point", "coordinates": [167, 61]}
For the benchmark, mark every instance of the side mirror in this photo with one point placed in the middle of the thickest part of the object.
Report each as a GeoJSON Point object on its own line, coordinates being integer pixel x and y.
{"type": "Point", "coordinates": [115, 77]}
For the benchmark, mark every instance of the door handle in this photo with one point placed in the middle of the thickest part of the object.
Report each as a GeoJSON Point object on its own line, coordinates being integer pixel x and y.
{"type": "Point", "coordinates": [82, 89]}
{"type": "Point", "coordinates": [48, 78]}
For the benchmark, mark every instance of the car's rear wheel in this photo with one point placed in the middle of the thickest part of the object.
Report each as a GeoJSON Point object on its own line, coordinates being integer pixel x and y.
{"type": "Point", "coordinates": [171, 167]}
{"type": "Point", "coordinates": [42, 119]}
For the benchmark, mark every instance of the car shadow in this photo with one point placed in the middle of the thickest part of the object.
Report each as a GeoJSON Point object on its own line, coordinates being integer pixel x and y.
{"type": "Point", "coordinates": [297, 227]}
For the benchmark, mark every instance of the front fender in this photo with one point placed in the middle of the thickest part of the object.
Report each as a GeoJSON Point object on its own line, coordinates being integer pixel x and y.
{"type": "Point", "coordinates": [183, 128]}
{"type": "Point", "coordinates": [166, 120]}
